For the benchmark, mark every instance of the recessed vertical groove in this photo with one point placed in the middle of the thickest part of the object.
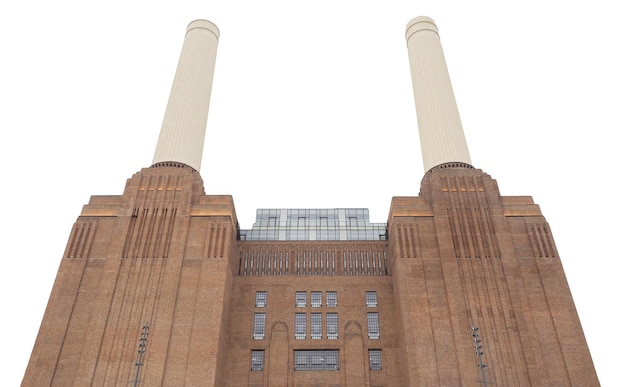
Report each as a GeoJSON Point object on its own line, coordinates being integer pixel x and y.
{"type": "Point", "coordinates": [406, 243]}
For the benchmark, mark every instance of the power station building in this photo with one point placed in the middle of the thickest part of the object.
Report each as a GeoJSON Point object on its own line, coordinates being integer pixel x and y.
{"type": "Point", "coordinates": [461, 286]}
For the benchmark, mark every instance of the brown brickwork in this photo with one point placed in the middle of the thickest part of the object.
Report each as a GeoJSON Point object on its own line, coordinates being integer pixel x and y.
{"type": "Point", "coordinates": [163, 253]}
{"type": "Point", "coordinates": [142, 257]}
{"type": "Point", "coordinates": [464, 256]}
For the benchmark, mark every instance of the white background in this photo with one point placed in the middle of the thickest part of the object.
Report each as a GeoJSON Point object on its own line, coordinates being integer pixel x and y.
{"type": "Point", "coordinates": [312, 106]}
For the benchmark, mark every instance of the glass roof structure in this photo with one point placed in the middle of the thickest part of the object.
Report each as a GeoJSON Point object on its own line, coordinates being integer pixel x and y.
{"type": "Point", "coordinates": [333, 224]}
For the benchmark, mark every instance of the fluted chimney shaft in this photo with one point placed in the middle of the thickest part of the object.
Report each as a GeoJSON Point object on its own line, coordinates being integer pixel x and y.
{"type": "Point", "coordinates": [441, 133]}
{"type": "Point", "coordinates": [182, 134]}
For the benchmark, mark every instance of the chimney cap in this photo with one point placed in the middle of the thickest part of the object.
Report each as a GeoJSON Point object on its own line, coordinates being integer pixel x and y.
{"type": "Point", "coordinates": [420, 23]}
{"type": "Point", "coordinates": [204, 24]}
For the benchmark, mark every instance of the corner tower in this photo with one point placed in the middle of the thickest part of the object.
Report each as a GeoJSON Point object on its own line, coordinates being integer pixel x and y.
{"type": "Point", "coordinates": [479, 289]}
{"type": "Point", "coordinates": [151, 267]}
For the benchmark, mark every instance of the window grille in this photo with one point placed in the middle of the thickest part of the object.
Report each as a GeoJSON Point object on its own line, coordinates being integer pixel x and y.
{"type": "Point", "coordinates": [371, 300]}
{"type": "Point", "coordinates": [300, 328]}
{"type": "Point", "coordinates": [261, 299]}
{"type": "Point", "coordinates": [316, 299]}
{"type": "Point", "coordinates": [316, 326]}
{"type": "Point", "coordinates": [316, 360]}
{"type": "Point", "coordinates": [375, 360]}
{"type": "Point", "coordinates": [301, 299]}
{"type": "Point", "coordinates": [331, 299]}
{"type": "Point", "coordinates": [332, 326]}
{"type": "Point", "coordinates": [259, 326]}
{"type": "Point", "coordinates": [258, 357]}
{"type": "Point", "coordinates": [373, 330]}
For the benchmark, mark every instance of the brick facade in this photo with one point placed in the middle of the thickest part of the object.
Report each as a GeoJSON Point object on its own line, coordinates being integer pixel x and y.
{"type": "Point", "coordinates": [164, 253]}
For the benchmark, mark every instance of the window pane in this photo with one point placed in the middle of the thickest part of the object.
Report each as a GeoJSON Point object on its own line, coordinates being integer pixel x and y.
{"type": "Point", "coordinates": [257, 360]}
{"type": "Point", "coordinates": [371, 299]}
{"type": "Point", "coordinates": [375, 360]}
{"type": "Point", "coordinates": [301, 358]}
{"type": "Point", "coordinates": [316, 326]}
{"type": "Point", "coordinates": [331, 326]}
{"type": "Point", "coordinates": [316, 299]}
{"type": "Point", "coordinates": [317, 360]}
{"type": "Point", "coordinates": [261, 299]}
{"type": "Point", "coordinates": [373, 331]}
{"type": "Point", "coordinates": [259, 326]}
{"type": "Point", "coordinates": [300, 328]}
{"type": "Point", "coordinates": [301, 299]}
{"type": "Point", "coordinates": [331, 299]}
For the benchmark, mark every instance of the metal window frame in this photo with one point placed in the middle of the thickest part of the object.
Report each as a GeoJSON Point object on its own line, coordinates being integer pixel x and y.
{"type": "Point", "coordinates": [316, 360]}
{"type": "Point", "coordinates": [331, 299]}
{"type": "Point", "coordinates": [376, 359]}
{"type": "Point", "coordinates": [371, 299]}
{"type": "Point", "coordinates": [258, 330]}
{"type": "Point", "coordinates": [256, 364]}
{"type": "Point", "coordinates": [260, 299]}
{"type": "Point", "coordinates": [300, 326]}
{"type": "Point", "coordinates": [316, 299]}
{"type": "Point", "coordinates": [316, 326]}
{"type": "Point", "coordinates": [373, 326]}
{"type": "Point", "coordinates": [300, 299]}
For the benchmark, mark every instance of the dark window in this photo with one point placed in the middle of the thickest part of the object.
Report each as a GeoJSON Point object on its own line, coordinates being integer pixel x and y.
{"type": "Point", "coordinates": [301, 299]}
{"type": "Point", "coordinates": [373, 330]}
{"type": "Point", "coordinates": [316, 299]}
{"type": "Point", "coordinates": [331, 299]}
{"type": "Point", "coordinates": [259, 326]}
{"type": "Point", "coordinates": [375, 360]}
{"type": "Point", "coordinates": [300, 329]}
{"type": "Point", "coordinates": [261, 299]}
{"type": "Point", "coordinates": [331, 326]}
{"type": "Point", "coordinates": [316, 326]}
{"type": "Point", "coordinates": [317, 360]}
{"type": "Point", "coordinates": [257, 360]}
{"type": "Point", "coordinates": [371, 299]}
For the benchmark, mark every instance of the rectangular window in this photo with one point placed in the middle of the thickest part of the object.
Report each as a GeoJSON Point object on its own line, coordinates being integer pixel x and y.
{"type": "Point", "coordinates": [259, 326]}
{"type": "Point", "coordinates": [301, 299]}
{"type": "Point", "coordinates": [316, 360]}
{"type": "Point", "coordinates": [258, 357]}
{"type": "Point", "coordinates": [331, 299]}
{"type": "Point", "coordinates": [261, 299]}
{"type": "Point", "coordinates": [331, 326]}
{"type": "Point", "coordinates": [371, 299]}
{"type": "Point", "coordinates": [373, 330]}
{"type": "Point", "coordinates": [316, 299]}
{"type": "Point", "coordinates": [316, 326]}
{"type": "Point", "coordinates": [375, 360]}
{"type": "Point", "coordinates": [300, 328]}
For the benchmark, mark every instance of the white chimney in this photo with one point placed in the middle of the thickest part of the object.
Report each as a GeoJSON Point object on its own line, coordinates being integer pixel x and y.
{"type": "Point", "coordinates": [182, 134]}
{"type": "Point", "coordinates": [441, 133]}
